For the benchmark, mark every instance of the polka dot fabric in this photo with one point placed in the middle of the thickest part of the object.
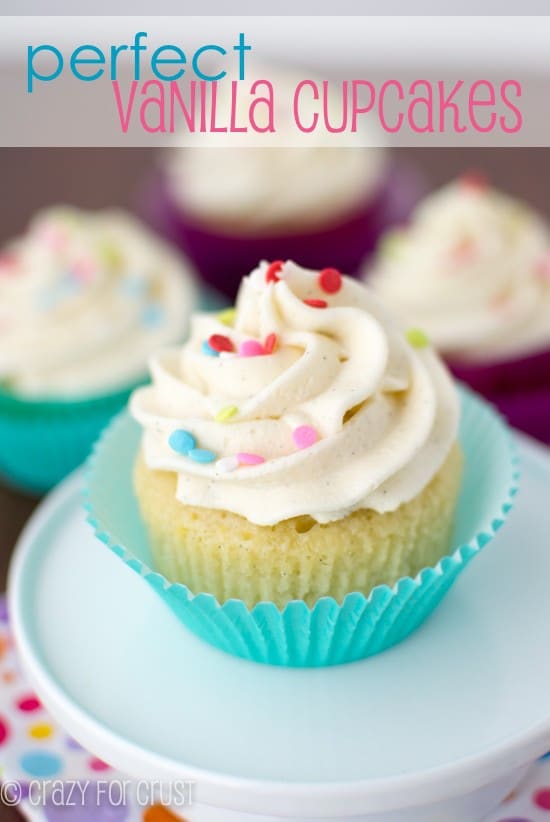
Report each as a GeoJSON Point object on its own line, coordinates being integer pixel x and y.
{"type": "Point", "coordinates": [33, 746]}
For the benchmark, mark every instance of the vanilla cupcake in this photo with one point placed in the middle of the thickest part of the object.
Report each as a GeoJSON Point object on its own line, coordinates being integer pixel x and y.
{"type": "Point", "coordinates": [298, 448]}
{"type": "Point", "coordinates": [472, 271]}
{"type": "Point", "coordinates": [320, 203]}
{"type": "Point", "coordinates": [84, 298]}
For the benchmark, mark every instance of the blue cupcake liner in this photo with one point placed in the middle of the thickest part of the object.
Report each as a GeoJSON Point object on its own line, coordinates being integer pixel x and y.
{"type": "Point", "coordinates": [327, 633]}
{"type": "Point", "coordinates": [43, 440]}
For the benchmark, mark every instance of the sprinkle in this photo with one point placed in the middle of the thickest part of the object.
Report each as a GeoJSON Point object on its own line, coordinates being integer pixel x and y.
{"type": "Point", "coordinates": [111, 254]}
{"type": "Point", "coordinates": [133, 286]}
{"type": "Point", "coordinates": [273, 270]}
{"type": "Point", "coordinates": [391, 243]}
{"type": "Point", "coordinates": [8, 263]}
{"type": "Point", "coordinates": [219, 342]}
{"type": "Point", "coordinates": [182, 441]}
{"type": "Point", "coordinates": [464, 250]}
{"type": "Point", "coordinates": [270, 343]}
{"type": "Point", "coordinates": [206, 349]}
{"type": "Point", "coordinates": [226, 413]}
{"type": "Point", "coordinates": [304, 436]}
{"type": "Point", "coordinates": [543, 267]}
{"type": "Point", "coordinates": [475, 180]}
{"type": "Point", "coordinates": [201, 455]}
{"type": "Point", "coordinates": [316, 303]}
{"type": "Point", "coordinates": [227, 316]}
{"type": "Point", "coordinates": [152, 315]}
{"type": "Point", "coordinates": [417, 338]}
{"type": "Point", "coordinates": [249, 459]}
{"type": "Point", "coordinates": [83, 271]}
{"type": "Point", "coordinates": [251, 348]}
{"type": "Point", "coordinates": [227, 464]}
{"type": "Point", "coordinates": [330, 280]}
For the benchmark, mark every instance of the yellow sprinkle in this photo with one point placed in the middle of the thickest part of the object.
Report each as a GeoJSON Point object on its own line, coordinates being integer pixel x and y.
{"type": "Point", "coordinates": [391, 244]}
{"type": "Point", "coordinates": [227, 316]}
{"type": "Point", "coordinates": [417, 338]}
{"type": "Point", "coordinates": [42, 731]}
{"type": "Point", "coordinates": [225, 414]}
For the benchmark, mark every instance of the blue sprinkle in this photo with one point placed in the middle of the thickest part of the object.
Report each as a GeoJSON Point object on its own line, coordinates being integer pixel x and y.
{"type": "Point", "coordinates": [134, 286]}
{"type": "Point", "coordinates": [201, 455]}
{"type": "Point", "coordinates": [41, 764]}
{"type": "Point", "coordinates": [153, 315]}
{"type": "Point", "coordinates": [208, 350]}
{"type": "Point", "coordinates": [182, 441]}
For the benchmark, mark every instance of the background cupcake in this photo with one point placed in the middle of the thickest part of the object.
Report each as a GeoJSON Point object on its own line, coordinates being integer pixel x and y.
{"type": "Point", "coordinates": [472, 270]}
{"type": "Point", "coordinates": [228, 208]}
{"type": "Point", "coordinates": [84, 298]}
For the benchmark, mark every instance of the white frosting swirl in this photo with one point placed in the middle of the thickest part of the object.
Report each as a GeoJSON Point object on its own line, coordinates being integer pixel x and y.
{"type": "Point", "coordinates": [287, 187]}
{"type": "Point", "coordinates": [385, 414]}
{"type": "Point", "coordinates": [84, 298]}
{"type": "Point", "coordinates": [473, 270]}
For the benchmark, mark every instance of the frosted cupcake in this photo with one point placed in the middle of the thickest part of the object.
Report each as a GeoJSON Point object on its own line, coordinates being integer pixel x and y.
{"type": "Point", "coordinates": [230, 207]}
{"type": "Point", "coordinates": [298, 447]}
{"type": "Point", "coordinates": [84, 298]}
{"type": "Point", "coordinates": [472, 271]}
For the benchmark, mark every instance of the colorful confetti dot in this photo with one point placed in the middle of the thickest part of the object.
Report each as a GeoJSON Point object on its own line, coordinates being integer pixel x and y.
{"type": "Point", "coordinates": [158, 813]}
{"type": "Point", "coordinates": [330, 280]}
{"type": "Point", "coordinates": [542, 799]}
{"type": "Point", "coordinates": [227, 464]}
{"type": "Point", "coordinates": [245, 458]}
{"type": "Point", "coordinates": [270, 343]}
{"type": "Point", "coordinates": [208, 350]}
{"type": "Point", "coordinates": [220, 343]}
{"type": "Point", "coordinates": [417, 338]}
{"type": "Point", "coordinates": [29, 704]}
{"type": "Point", "coordinates": [40, 731]}
{"type": "Point", "coordinates": [273, 270]}
{"type": "Point", "coordinates": [226, 413]}
{"type": "Point", "coordinates": [4, 730]}
{"type": "Point", "coordinates": [153, 315]}
{"type": "Point", "coordinates": [202, 455]}
{"type": "Point", "coordinates": [305, 436]}
{"type": "Point", "coordinates": [251, 348]}
{"type": "Point", "coordinates": [227, 316]}
{"type": "Point", "coordinates": [98, 765]}
{"type": "Point", "coordinates": [391, 244]}
{"type": "Point", "coordinates": [41, 764]}
{"type": "Point", "coordinates": [134, 286]}
{"type": "Point", "coordinates": [316, 303]}
{"type": "Point", "coordinates": [182, 441]}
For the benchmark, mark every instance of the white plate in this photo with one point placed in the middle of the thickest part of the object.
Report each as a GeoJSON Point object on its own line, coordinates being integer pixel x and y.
{"type": "Point", "coordinates": [458, 709]}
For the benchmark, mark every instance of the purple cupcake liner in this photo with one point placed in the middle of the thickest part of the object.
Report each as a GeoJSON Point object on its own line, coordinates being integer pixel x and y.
{"type": "Point", "coordinates": [223, 259]}
{"type": "Point", "coordinates": [519, 388]}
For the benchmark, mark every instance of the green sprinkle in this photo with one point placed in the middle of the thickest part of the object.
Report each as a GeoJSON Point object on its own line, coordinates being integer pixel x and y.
{"type": "Point", "coordinates": [390, 244]}
{"type": "Point", "coordinates": [225, 414]}
{"type": "Point", "coordinates": [417, 338]}
{"type": "Point", "coordinates": [227, 316]}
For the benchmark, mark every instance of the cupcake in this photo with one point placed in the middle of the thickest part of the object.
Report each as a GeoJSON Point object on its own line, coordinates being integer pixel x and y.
{"type": "Point", "coordinates": [472, 272]}
{"type": "Point", "coordinates": [288, 483]}
{"type": "Point", "coordinates": [304, 450]}
{"type": "Point", "coordinates": [227, 208]}
{"type": "Point", "coordinates": [84, 298]}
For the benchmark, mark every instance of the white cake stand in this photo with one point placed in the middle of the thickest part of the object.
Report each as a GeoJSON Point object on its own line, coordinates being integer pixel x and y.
{"type": "Point", "coordinates": [437, 729]}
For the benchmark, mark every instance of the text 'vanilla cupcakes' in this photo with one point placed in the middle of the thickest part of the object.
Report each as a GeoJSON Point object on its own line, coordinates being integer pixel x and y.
{"type": "Point", "coordinates": [297, 468]}
{"type": "Point", "coordinates": [472, 270]}
{"type": "Point", "coordinates": [84, 298]}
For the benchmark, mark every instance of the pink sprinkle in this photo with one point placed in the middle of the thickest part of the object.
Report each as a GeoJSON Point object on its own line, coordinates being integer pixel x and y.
{"type": "Point", "coordinates": [83, 271]}
{"type": "Point", "coordinates": [249, 459]}
{"type": "Point", "coordinates": [251, 348]}
{"type": "Point", "coordinates": [304, 436]}
{"type": "Point", "coordinates": [7, 263]}
{"type": "Point", "coordinates": [543, 267]}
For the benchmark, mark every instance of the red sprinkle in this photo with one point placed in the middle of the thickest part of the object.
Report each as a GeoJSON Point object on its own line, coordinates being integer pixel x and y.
{"type": "Point", "coordinates": [330, 280]}
{"type": "Point", "coordinates": [317, 303]}
{"type": "Point", "coordinates": [272, 271]}
{"type": "Point", "coordinates": [219, 342]}
{"type": "Point", "coordinates": [270, 343]}
{"type": "Point", "coordinates": [476, 180]}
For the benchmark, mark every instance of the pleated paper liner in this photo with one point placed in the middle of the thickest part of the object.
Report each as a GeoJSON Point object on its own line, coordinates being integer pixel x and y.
{"type": "Point", "coordinates": [328, 633]}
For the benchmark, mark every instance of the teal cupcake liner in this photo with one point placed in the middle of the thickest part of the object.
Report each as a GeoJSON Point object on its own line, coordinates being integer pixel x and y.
{"type": "Point", "coordinates": [43, 440]}
{"type": "Point", "coordinates": [328, 633]}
